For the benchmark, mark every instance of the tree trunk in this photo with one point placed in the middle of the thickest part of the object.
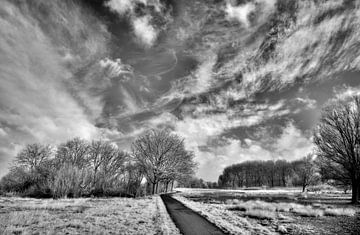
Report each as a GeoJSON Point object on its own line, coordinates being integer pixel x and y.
{"type": "Point", "coordinates": [283, 180]}
{"type": "Point", "coordinates": [172, 186]}
{"type": "Point", "coordinates": [304, 187]}
{"type": "Point", "coordinates": [167, 185]}
{"type": "Point", "coordinates": [157, 186]}
{"type": "Point", "coordinates": [355, 191]}
{"type": "Point", "coordinates": [153, 188]}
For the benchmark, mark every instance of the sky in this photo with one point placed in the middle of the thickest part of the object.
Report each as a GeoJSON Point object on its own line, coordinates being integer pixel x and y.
{"type": "Point", "coordinates": [238, 80]}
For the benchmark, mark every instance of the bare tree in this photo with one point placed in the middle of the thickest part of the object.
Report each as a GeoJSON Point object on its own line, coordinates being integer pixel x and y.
{"type": "Point", "coordinates": [306, 171]}
{"type": "Point", "coordinates": [35, 161]}
{"type": "Point", "coordinates": [160, 155]}
{"type": "Point", "coordinates": [74, 152]}
{"type": "Point", "coordinates": [107, 163]}
{"type": "Point", "coordinates": [338, 141]}
{"type": "Point", "coordinates": [33, 156]}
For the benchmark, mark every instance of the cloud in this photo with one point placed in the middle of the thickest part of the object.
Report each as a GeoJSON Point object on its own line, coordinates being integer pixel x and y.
{"type": "Point", "coordinates": [346, 92]}
{"type": "Point", "coordinates": [240, 13]}
{"type": "Point", "coordinates": [41, 99]}
{"type": "Point", "coordinates": [313, 47]}
{"type": "Point", "coordinates": [115, 68]}
{"type": "Point", "coordinates": [144, 31]}
{"type": "Point", "coordinates": [2, 132]}
{"type": "Point", "coordinates": [199, 133]}
{"type": "Point", "coordinates": [292, 144]}
{"type": "Point", "coordinates": [260, 8]}
{"type": "Point", "coordinates": [307, 102]}
{"type": "Point", "coordinates": [122, 6]}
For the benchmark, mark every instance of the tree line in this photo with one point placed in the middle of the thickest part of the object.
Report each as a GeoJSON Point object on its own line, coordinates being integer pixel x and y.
{"type": "Point", "coordinates": [99, 168]}
{"type": "Point", "coordinates": [270, 173]}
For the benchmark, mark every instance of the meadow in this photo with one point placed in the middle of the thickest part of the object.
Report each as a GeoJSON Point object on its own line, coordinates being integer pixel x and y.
{"type": "Point", "coordinates": [275, 211]}
{"type": "Point", "coordinates": [145, 215]}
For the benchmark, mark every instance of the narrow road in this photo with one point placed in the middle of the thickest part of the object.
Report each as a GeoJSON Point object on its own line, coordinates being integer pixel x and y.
{"type": "Point", "coordinates": [188, 221]}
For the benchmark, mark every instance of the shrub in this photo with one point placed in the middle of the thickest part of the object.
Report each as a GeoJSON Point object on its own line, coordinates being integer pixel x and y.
{"type": "Point", "coordinates": [69, 181]}
{"type": "Point", "coordinates": [17, 180]}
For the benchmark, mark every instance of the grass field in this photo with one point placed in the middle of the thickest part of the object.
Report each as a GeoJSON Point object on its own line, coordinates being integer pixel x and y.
{"type": "Point", "coordinates": [277, 211]}
{"type": "Point", "coordinates": [85, 216]}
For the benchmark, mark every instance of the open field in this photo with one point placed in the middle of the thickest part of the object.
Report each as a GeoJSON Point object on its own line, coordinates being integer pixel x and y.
{"type": "Point", "coordinates": [85, 216]}
{"type": "Point", "coordinates": [274, 211]}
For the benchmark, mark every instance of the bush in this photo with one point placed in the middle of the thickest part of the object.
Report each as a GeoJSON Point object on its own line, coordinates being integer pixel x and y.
{"type": "Point", "coordinates": [17, 180]}
{"type": "Point", "coordinates": [70, 181]}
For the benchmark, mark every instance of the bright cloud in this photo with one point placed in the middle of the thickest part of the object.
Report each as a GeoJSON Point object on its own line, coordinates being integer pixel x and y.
{"type": "Point", "coordinates": [144, 31]}
{"type": "Point", "coordinates": [122, 6]}
{"type": "Point", "coordinates": [115, 68]}
{"type": "Point", "coordinates": [240, 13]}
{"type": "Point", "coordinates": [346, 92]}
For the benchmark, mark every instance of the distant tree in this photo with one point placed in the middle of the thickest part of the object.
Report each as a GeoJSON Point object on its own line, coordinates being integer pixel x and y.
{"type": "Point", "coordinates": [306, 171]}
{"type": "Point", "coordinates": [283, 171]}
{"type": "Point", "coordinates": [338, 142]}
{"type": "Point", "coordinates": [260, 173]}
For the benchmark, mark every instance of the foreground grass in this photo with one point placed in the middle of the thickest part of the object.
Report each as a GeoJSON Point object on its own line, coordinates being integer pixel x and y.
{"type": "Point", "coordinates": [85, 216]}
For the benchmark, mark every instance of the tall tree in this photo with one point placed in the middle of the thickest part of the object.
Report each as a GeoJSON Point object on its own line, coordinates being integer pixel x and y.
{"type": "Point", "coordinates": [338, 141]}
{"type": "Point", "coordinates": [161, 155]}
{"type": "Point", "coordinates": [74, 152]}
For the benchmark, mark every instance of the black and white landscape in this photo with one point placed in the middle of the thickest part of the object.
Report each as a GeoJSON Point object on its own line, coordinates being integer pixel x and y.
{"type": "Point", "coordinates": [179, 116]}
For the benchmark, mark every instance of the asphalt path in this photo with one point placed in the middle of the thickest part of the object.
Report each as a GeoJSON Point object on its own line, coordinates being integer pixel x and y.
{"type": "Point", "coordinates": [188, 221]}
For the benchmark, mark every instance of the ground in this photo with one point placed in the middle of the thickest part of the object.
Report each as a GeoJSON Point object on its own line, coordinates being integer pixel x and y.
{"type": "Point", "coordinates": [276, 211]}
{"type": "Point", "coordinates": [284, 211]}
{"type": "Point", "coordinates": [85, 216]}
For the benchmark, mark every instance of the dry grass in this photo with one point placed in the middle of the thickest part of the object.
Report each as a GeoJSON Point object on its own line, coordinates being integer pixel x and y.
{"type": "Point", "coordinates": [84, 216]}
{"type": "Point", "coordinates": [261, 214]}
{"type": "Point", "coordinates": [308, 211]}
{"type": "Point", "coordinates": [266, 209]}
{"type": "Point", "coordinates": [340, 211]}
